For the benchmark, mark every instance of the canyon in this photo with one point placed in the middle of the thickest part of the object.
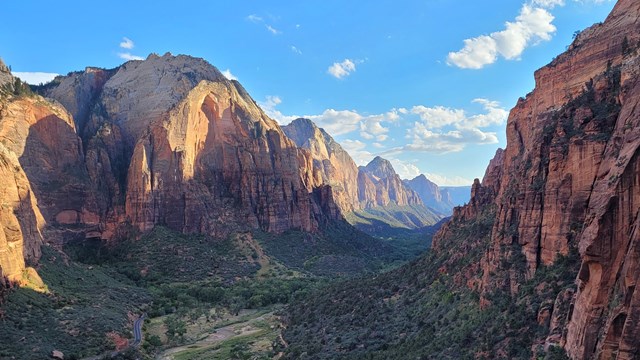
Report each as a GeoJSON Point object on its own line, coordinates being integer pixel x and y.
{"type": "Point", "coordinates": [110, 154]}
{"type": "Point", "coordinates": [544, 254]}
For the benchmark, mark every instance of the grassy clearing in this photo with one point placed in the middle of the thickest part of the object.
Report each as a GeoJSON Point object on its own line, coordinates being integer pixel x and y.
{"type": "Point", "coordinates": [249, 337]}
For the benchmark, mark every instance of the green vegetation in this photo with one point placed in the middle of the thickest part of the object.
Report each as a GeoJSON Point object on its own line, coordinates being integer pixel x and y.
{"type": "Point", "coordinates": [421, 310]}
{"type": "Point", "coordinates": [338, 249]}
{"type": "Point", "coordinates": [16, 88]}
{"type": "Point", "coordinates": [183, 282]}
{"type": "Point", "coordinates": [251, 337]}
{"type": "Point", "coordinates": [84, 304]}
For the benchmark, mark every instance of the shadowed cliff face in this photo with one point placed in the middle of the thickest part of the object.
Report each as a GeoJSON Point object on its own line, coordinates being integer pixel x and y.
{"type": "Point", "coordinates": [332, 165]}
{"type": "Point", "coordinates": [42, 136]}
{"type": "Point", "coordinates": [567, 181]}
{"type": "Point", "coordinates": [20, 219]}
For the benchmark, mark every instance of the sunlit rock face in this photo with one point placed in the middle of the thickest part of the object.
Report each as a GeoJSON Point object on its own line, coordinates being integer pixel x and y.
{"type": "Point", "coordinates": [169, 140]}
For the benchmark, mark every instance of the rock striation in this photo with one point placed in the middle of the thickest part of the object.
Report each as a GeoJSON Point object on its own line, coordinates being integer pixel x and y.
{"type": "Point", "coordinates": [332, 165]}
{"type": "Point", "coordinates": [567, 182]}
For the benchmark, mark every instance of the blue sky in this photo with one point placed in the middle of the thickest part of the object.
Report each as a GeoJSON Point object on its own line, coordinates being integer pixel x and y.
{"type": "Point", "coordinates": [427, 84]}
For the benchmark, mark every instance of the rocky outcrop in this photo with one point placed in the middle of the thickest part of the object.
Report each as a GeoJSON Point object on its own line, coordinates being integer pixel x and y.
{"type": "Point", "coordinates": [380, 185]}
{"type": "Point", "coordinates": [331, 162]}
{"type": "Point", "coordinates": [5, 74]}
{"type": "Point", "coordinates": [568, 182]}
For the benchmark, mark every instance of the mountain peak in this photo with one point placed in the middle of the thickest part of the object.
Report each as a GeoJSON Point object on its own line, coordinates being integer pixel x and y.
{"type": "Point", "coordinates": [301, 131]}
{"type": "Point", "coordinates": [380, 167]}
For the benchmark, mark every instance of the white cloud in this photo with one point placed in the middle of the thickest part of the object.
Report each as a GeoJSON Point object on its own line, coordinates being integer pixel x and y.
{"type": "Point", "coordinates": [439, 116]}
{"type": "Point", "coordinates": [260, 20]}
{"type": "Point", "coordinates": [254, 18]}
{"type": "Point", "coordinates": [128, 56]}
{"type": "Point", "coordinates": [443, 180]}
{"type": "Point", "coordinates": [356, 149]}
{"type": "Point", "coordinates": [549, 4]}
{"type": "Point", "coordinates": [425, 140]}
{"type": "Point", "coordinates": [476, 53]}
{"type": "Point", "coordinates": [405, 169]}
{"type": "Point", "coordinates": [35, 78]}
{"type": "Point", "coordinates": [442, 130]}
{"type": "Point", "coordinates": [296, 50]}
{"type": "Point", "coordinates": [273, 30]}
{"type": "Point", "coordinates": [342, 69]}
{"type": "Point", "coordinates": [371, 128]}
{"type": "Point", "coordinates": [533, 25]}
{"type": "Point", "coordinates": [495, 115]}
{"type": "Point", "coordinates": [438, 129]}
{"type": "Point", "coordinates": [393, 115]}
{"type": "Point", "coordinates": [269, 107]}
{"type": "Point", "coordinates": [335, 122]}
{"type": "Point", "coordinates": [227, 73]}
{"type": "Point", "coordinates": [127, 43]}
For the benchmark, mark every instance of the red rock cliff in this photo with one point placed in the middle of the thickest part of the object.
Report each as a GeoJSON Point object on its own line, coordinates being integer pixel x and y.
{"type": "Point", "coordinates": [568, 179]}
{"type": "Point", "coordinates": [170, 141]}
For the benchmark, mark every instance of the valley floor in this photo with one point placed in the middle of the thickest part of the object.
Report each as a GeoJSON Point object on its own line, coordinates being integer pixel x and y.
{"type": "Point", "coordinates": [250, 332]}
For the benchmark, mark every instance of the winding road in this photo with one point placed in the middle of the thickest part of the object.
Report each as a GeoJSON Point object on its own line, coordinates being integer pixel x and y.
{"type": "Point", "coordinates": [137, 331]}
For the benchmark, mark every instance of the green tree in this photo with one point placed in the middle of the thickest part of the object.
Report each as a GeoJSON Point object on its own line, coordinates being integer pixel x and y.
{"type": "Point", "coordinates": [175, 327]}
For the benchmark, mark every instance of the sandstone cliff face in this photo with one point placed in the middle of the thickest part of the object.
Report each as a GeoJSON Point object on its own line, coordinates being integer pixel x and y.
{"type": "Point", "coordinates": [43, 136]}
{"type": "Point", "coordinates": [217, 162]}
{"type": "Point", "coordinates": [78, 92]}
{"type": "Point", "coordinates": [380, 185]}
{"type": "Point", "coordinates": [21, 222]}
{"type": "Point", "coordinates": [331, 162]}
{"type": "Point", "coordinates": [20, 219]}
{"type": "Point", "coordinates": [568, 180]}
{"type": "Point", "coordinates": [170, 141]}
